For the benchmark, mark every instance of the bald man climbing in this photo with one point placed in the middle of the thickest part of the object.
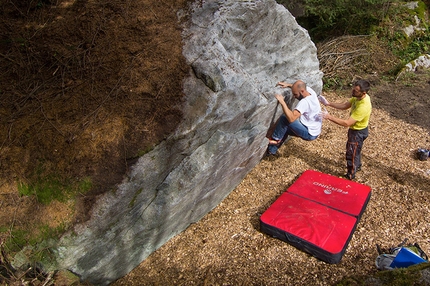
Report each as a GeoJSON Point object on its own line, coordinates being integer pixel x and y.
{"type": "Point", "coordinates": [304, 121]}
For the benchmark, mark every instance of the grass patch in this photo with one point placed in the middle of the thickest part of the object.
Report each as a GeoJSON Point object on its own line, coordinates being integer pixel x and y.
{"type": "Point", "coordinates": [413, 275]}
{"type": "Point", "coordinates": [52, 187]}
{"type": "Point", "coordinates": [391, 31]}
{"type": "Point", "coordinates": [19, 238]}
{"type": "Point", "coordinates": [37, 245]}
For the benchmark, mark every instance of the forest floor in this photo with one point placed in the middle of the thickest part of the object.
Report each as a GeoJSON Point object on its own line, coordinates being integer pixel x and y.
{"type": "Point", "coordinates": [227, 248]}
{"type": "Point", "coordinates": [86, 88]}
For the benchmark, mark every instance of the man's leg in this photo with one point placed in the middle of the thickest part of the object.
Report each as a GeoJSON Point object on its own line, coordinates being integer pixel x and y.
{"type": "Point", "coordinates": [281, 128]}
{"type": "Point", "coordinates": [278, 135]}
{"type": "Point", "coordinates": [353, 150]}
{"type": "Point", "coordinates": [363, 135]}
{"type": "Point", "coordinates": [295, 128]}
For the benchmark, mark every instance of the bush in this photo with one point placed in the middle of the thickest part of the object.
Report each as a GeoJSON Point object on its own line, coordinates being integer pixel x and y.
{"type": "Point", "coordinates": [329, 18]}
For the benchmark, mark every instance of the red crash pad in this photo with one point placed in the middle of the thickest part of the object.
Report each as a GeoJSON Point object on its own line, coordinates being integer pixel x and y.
{"type": "Point", "coordinates": [317, 214]}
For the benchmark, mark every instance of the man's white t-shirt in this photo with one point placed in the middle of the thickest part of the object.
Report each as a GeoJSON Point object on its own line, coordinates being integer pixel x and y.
{"type": "Point", "coordinates": [310, 110]}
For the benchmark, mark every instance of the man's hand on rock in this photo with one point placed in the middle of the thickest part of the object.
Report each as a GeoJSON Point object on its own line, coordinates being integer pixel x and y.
{"type": "Point", "coordinates": [279, 97]}
{"type": "Point", "coordinates": [284, 84]}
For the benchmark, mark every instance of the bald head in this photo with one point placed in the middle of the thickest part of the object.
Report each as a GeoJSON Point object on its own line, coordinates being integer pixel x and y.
{"type": "Point", "coordinates": [300, 84]}
{"type": "Point", "coordinates": [299, 89]}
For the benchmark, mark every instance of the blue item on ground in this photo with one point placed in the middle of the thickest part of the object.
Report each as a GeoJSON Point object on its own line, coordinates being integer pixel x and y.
{"type": "Point", "coordinates": [406, 258]}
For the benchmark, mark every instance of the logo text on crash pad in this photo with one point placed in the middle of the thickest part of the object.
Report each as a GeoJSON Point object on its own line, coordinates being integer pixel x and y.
{"type": "Point", "coordinates": [330, 189]}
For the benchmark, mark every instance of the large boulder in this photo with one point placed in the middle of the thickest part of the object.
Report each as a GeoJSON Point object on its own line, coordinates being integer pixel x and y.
{"type": "Point", "coordinates": [238, 51]}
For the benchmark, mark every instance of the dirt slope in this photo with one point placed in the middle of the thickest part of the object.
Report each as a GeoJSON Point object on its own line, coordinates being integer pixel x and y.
{"type": "Point", "coordinates": [86, 87]}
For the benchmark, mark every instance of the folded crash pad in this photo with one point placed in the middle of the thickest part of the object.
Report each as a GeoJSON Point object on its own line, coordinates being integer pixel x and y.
{"type": "Point", "coordinates": [317, 214]}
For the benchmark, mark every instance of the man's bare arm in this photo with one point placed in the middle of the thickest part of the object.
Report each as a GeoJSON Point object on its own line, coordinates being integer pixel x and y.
{"type": "Point", "coordinates": [340, 105]}
{"type": "Point", "coordinates": [291, 115]}
{"type": "Point", "coordinates": [342, 122]}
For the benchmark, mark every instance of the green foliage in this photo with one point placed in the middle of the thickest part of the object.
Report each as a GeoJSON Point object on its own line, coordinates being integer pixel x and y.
{"type": "Point", "coordinates": [18, 238]}
{"type": "Point", "coordinates": [45, 187]}
{"type": "Point", "coordinates": [41, 244]}
{"type": "Point", "coordinates": [37, 248]}
{"type": "Point", "coordinates": [400, 277]}
{"type": "Point", "coordinates": [328, 18]}
{"type": "Point", "coordinates": [47, 232]}
{"type": "Point", "coordinates": [331, 83]}
{"type": "Point", "coordinates": [410, 78]}
{"type": "Point", "coordinates": [52, 187]}
{"type": "Point", "coordinates": [419, 45]}
{"type": "Point", "coordinates": [421, 10]}
{"type": "Point", "coordinates": [45, 190]}
{"type": "Point", "coordinates": [84, 185]}
{"type": "Point", "coordinates": [397, 277]}
{"type": "Point", "coordinates": [383, 20]}
{"type": "Point", "coordinates": [390, 31]}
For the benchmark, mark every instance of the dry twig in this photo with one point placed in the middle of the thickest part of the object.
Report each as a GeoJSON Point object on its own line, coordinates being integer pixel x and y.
{"type": "Point", "coordinates": [339, 54]}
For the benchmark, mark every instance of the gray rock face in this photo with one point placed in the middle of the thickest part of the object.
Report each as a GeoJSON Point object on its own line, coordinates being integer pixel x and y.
{"type": "Point", "coordinates": [238, 51]}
